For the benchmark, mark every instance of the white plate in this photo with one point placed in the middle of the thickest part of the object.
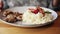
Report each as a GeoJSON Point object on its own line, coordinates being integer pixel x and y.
{"type": "Point", "coordinates": [23, 9]}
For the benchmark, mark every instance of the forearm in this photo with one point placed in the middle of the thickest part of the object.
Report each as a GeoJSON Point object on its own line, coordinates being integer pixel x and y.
{"type": "Point", "coordinates": [55, 3]}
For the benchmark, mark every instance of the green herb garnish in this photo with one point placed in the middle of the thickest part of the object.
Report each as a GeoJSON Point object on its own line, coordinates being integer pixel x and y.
{"type": "Point", "coordinates": [48, 12]}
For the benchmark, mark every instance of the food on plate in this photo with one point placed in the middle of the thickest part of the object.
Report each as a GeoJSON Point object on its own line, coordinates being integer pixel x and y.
{"type": "Point", "coordinates": [12, 16]}
{"type": "Point", "coordinates": [36, 16]}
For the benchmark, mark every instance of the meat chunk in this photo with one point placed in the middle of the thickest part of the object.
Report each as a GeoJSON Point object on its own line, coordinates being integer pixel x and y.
{"type": "Point", "coordinates": [7, 12]}
{"type": "Point", "coordinates": [19, 17]}
{"type": "Point", "coordinates": [10, 18]}
{"type": "Point", "coordinates": [17, 14]}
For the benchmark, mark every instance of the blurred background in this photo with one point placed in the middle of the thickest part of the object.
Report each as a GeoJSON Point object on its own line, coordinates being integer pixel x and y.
{"type": "Point", "coordinates": [52, 4]}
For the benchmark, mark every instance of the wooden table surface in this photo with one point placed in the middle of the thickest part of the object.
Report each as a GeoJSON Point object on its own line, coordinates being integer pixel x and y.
{"type": "Point", "coordinates": [50, 29]}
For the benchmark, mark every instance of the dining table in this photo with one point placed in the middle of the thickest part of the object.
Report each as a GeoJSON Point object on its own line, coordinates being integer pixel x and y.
{"type": "Point", "coordinates": [53, 28]}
